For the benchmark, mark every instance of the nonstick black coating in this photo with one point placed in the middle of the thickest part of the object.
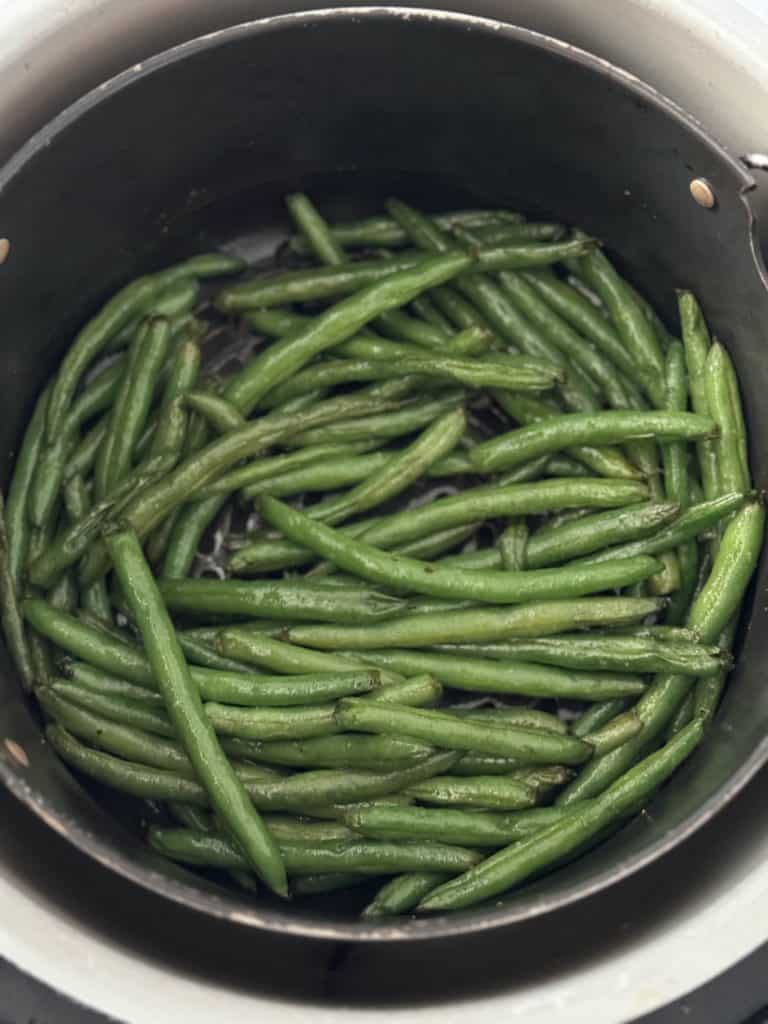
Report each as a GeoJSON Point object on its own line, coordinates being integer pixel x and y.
{"type": "Point", "coordinates": [196, 149]}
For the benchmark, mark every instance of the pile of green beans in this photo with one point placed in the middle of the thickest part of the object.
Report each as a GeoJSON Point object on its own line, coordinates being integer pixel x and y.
{"type": "Point", "coordinates": [433, 591]}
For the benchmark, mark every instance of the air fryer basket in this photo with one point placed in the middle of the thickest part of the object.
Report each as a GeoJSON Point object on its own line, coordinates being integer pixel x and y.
{"type": "Point", "coordinates": [197, 147]}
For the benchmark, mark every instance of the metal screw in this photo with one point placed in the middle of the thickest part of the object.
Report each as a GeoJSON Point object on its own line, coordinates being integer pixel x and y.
{"type": "Point", "coordinates": [5, 248]}
{"type": "Point", "coordinates": [703, 193]}
{"type": "Point", "coordinates": [17, 752]}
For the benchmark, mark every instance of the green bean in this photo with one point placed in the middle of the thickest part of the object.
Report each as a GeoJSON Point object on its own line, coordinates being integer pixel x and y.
{"type": "Point", "coordinates": [560, 432]}
{"type": "Point", "coordinates": [187, 532]}
{"type": "Point", "coordinates": [360, 856]}
{"type": "Point", "coordinates": [488, 792]}
{"type": "Point", "coordinates": [284, 358]}
{"type": "Point", "coordinates": [185, 709]}
{"type": "Point", "coordinates": [688, 525]}
{"type": "Point", "coordinates": [278, 599]}
{"type": "Point", "coordinates": [403, 327]}
{"type": "Point", "coordinates": [132, 300]}
{"type": "Point", "coordinates": [10, 615]}
{"type": "Point", "coordinates": [100, 682]}
{"type": "Point", "coordinates": [574, 347]}
{"type": "Point", "coordinates": [293, 723]}
{"type": "Point", "coordinates": [314, 229]}
{"type": "Point", "coordinates": [614, 733]}
{"type": "Point", "coordinates": [514, 864]}
{"type": "Point", "coordinates": [124, 776]}
{"type": "Point", "coordinates": [604, 652]}
{"type": "Point", "coordinates": [708, 690]}
{"type": "Point", "coordinates": [221, 414]}
{"type": "Point", "coordinates": [425, 578]}
{"type": "Point", "coordinates": [581, 314]}
{"type": "Point", "coordinates": [402, 893]}
{"type": "Point", "coordinates": [262, 650]}
{"type": "Point", "coordinates": [276, 467]}
{"type": "Point", "coordinates": [323, 283]}
{"type": "Point", "coordinates": [529, 718]}
{"type": "Point", "coordinates": [513, 546]}
{"type": "Point", "coordinates": [17, 518]}
{"type": "Point", "coordinates": [424, 307]}
{"type": "Point", "coordinates": [83, 457]}
{"type": "Point", "coordinates": [436, 441]}
{"type": "Point", "coordinates": [130, 424]}
{"type": "Point", "coordinates": [102, 720]}
{"type": "Point", "coordinates": [682, 717]}
{"type": "Point", "coordinates": [597, 715]}
{"type": "Point", "coordinates": [324, 476]}
{"type": "Point", "coordinates": [564, 465]}
{"type": "Point", "coordinates": [460, 313]}
{"type": "Point", "coordinates": [630, 321]}
{"type": "Point", "coordinates": [374, 753]}
{"type": "Point", "coordinates": [49, 474]}
{"type": "Point", "coordinates": [440, 729]}
{"type": "Point", "coordinates": [697, 342]}
{"type": "Point", "coordinates": [310, 791]}
{"type": "Point", "coordinates": [171, 418]}
{"type": "Point", "coordinates": [329, 881]}
{"type": "Point", "coordinates": [496, 234]}
{"type": "Point", "coordinates": [722, 390]}
{"type": "Point", "coordinates": [712, 609]}
{"type": "Point", "coordinates": [524, 679]}
{"type": "Point", "coordinates": [506, 373]}
{"type": "Point", "coordinates": [554, 544]}
{"type": "Point", "coordinates": [291, 829]}
{"type": "Point", "coordinates": [375, 231]}
{"type": "Point", "coordinates": [68, 547]}
{"type": "Point", "coordinates": [153, 505]}
{"type": "Point", "coordinates": [197, 652]}
{"type": "Point", "coordinates": [528, 410]}
{"type": "Point", "coordinates": [485, 294]}
{"type": "Point", "coordinates": [448, 825]}
{"type": "Point", "coordinates": [472, 505]}
{"type": "Point", "coordinates": [541, 619]}
{"type": "Point", "coordinates": [387, 425]}
{"type": "Point", "coordinates": [63, 594]}
{"type": "Point", "coordinates": [736, 558]}
{"type": "Point", "coordinates": [485, 764]}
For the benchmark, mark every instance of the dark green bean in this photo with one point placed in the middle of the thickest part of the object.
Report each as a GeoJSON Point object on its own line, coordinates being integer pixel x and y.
{"type": "Point", "coordinates": [491, 624]}
{"type": "Point", "coordinates": [554, 544]}
{"type": "Point", "coordinates": [402, 893]}
{"type": "Point", "coordinates": [100, 682]}
{"type": "Point", "coordinates": [278, 599]}
{"type": "Point", "coordinates": [578, 311]}
{"type": "Point", "coordinates": [326, 282]}
{"type": "Point", "coordinates": [425, 578]}
{"type": "Point", "coordinates": [522, 678]}
{"type": "Point", "coordinates": [132, 300]}
{"type": "Point", "coordinates": [527, 410]}
{"type": "Point", "coordinates": [597, 715]}
{"type": "Point", "coordinates": [10, 615]}
{"type": "Point", "coordinates": [185, 709]}
{"type": "Point", "coordinates": [604, 652]}
{"type": "Point", "coordinates": [697, 342]}
{"type": "Point", "coordinates": [631, 324]}
{"type": "Point", "coordinates": [487, 792]}
{"type": "Point", "coordinates": [473, 828]}
{"type": "Point", "coordinates": [17, 518]}
{"type": "Point", "coordinates": [73, 542]}
{"type": "Point", "coordinates": [611, 427]}
{"type": "Point", "coordinates": [440, 729]}
{"type": "Point", "coordinates": [688, 525]}
{"type": "Point", "coordinates": [365, 857]}
{"type": "Point", "coordinates": [314, 229]}
{"type": "Point", "coordinates": [152, 506]}
{"type": "Point", "coordinates": [285, 357]}
{"type": "Point", "coordinates": [724, 403]}
{"type": "Point", "coordinates": [375, 231]}
{"type": "Point", "coordinates": [374, 753]}
{"type": "Point", "coordinates": [515, 863]}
